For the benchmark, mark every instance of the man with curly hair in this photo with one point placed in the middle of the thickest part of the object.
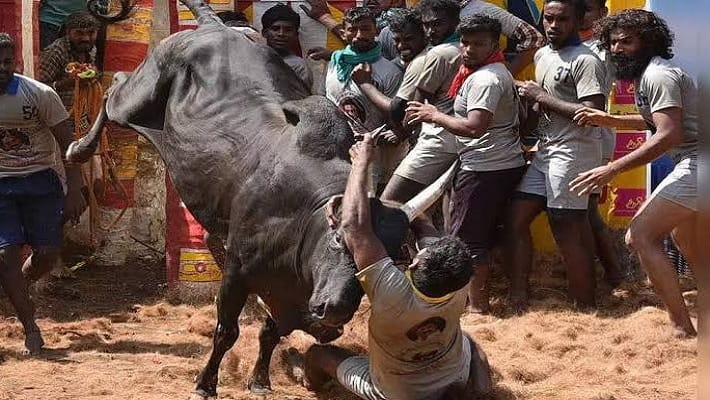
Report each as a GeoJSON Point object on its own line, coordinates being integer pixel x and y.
{"type": "Point", "coordinates": [666, 97]}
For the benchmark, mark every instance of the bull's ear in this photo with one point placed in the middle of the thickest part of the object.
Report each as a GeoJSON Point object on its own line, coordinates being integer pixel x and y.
{"type": "Point", "coordinates": [291, 112]}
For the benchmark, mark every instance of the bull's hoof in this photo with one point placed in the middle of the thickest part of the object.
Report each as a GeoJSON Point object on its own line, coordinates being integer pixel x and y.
{"type": "Point", "coordinates": [259, 389]}
{"type": "Point", "coordinates": [202, 395]}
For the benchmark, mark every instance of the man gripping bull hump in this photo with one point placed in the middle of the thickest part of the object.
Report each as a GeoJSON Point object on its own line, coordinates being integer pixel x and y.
{"type": "Point", "coordinates": [417, 348]}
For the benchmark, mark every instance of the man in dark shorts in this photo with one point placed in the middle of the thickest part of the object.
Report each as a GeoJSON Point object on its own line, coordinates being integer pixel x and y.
{"type": "Point", "coordinates": [485, 123]}
{"type": "Point", "coordinates": [34, 134]}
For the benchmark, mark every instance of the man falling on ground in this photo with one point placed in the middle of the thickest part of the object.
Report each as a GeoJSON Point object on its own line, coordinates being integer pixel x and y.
{"type": "Point", "coordinates": [417, 349]}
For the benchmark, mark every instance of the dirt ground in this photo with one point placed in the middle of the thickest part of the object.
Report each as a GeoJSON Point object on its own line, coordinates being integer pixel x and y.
{"type": "Point", "coordinates": [111, 333]}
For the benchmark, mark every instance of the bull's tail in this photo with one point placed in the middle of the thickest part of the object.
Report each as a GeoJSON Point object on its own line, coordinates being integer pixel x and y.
{"type": "Point", "coordinates": [99, 9]}
{"type": "Point", "coordinates": [204, 14]}
{"type": "Point", "coordinates": [80, 151]}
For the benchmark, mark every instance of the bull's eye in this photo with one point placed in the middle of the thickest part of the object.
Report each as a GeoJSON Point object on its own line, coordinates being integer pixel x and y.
{"type": "Point", "coordinates": [336, 241]}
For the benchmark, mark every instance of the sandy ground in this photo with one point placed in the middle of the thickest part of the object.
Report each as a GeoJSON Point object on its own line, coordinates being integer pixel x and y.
{"type": "Point", "coordinates": [111, 334]}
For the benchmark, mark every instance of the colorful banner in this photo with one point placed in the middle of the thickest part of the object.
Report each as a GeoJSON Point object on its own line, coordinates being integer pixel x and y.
{"type": "Point", "coordinates": [187, 258]}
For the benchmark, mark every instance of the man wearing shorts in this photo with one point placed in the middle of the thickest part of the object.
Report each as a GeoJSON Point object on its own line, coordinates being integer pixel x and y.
{"type": "Point", "coordinates": [666, 97]}
{"type": "Point", "coordinates": [417, 349]}
{"type": "Point", "coordinates": [34, 133]}
{"type": "Point", "coordinates": [605, 245]}
{"type": "Point", "coordinates": [485, 122]}
{"type": "Point", "coordinates": [569, 76]}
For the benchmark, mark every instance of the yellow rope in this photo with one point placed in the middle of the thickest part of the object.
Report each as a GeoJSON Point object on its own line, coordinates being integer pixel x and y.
{"type": "Point", "coordinates": [88, 100]}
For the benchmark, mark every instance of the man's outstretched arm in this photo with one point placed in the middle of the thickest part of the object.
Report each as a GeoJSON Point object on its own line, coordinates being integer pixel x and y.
{"type": "Point", "coordinates": [357, 226]}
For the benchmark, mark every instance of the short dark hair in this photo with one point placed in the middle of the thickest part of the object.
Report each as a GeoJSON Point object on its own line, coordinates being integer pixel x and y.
{"type": "Point", "coordinates": [580, 6]}
{"type": "Point", "coordinates": [450, 8]}
{"type": "Point", "coordinates": [6, 41]}
{"type": "Point", "coordinates": [445, 267]}
{"type": "Point", "coordinates": [406, 18]}
{"type": "Point", "coordinates": [355, 14]}
{"type": "Point", "coordinates": [280, 12]}
{"type": "Point", "coordinates": [230, 17]}
{"type": "Point", "coordinates": [81, 20]}
{"type": "Point", "coordinates": [653, 30]}
{"type": "Point", "coordinates": [481, 23]}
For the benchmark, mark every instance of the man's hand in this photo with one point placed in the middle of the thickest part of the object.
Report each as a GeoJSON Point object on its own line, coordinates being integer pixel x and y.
{"type": "Point", "coordinates": [593, 179]}
{"type": "Point", "coordinates": [420, 112]}
{"type": "Point", "coordinates": [319, 53]}
{"type": "Point", "coordinates": [74, 202]}
{"type": "Point", "coordinates": [362, 73]}
{"type": "Point", "coordinates": [361, 153]}
{"type": "Point", "coordinates": [587, 116]}
{"type": "Point", "coordinates": [530, 90]}
{"type": "Point", "coordinates": [317, 9]}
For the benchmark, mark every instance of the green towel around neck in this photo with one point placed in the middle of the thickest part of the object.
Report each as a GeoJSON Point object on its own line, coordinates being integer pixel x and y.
{"type": "Point", "coordinates": [345, 60]}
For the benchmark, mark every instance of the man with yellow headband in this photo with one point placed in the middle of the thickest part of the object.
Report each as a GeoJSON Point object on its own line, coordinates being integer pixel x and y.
{"type": "Point", "coordinates": [417, 349]}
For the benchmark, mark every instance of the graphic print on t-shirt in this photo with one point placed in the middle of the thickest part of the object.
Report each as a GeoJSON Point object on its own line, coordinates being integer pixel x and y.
{"type": "Point", "coordinates": [427, 332]}
{"type": "Point", "coordinates": [16, 142]}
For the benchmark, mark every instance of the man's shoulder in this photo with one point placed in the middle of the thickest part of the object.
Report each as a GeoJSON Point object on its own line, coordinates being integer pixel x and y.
{"type": "Point", "coordinates": [294, 60]}
{"type": "Point", "coordinates": [59, 46]}
{"type": "Point", "coordinates": [581, 54]}
{"type": "Point", "coordinates": [31, 85]}
{"type": "Point", "coordinates": [491, 75]}
{"type": "Point", "coordinates": [385, 68]}
{"type": "Point", "coordinates": [444, 50]}
{"type": "Point", "coordinates": [659, 68]}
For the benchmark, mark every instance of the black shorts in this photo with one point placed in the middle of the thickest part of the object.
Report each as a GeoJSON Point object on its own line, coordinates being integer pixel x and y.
{"type": "Point", "coordinates": [478, 201]}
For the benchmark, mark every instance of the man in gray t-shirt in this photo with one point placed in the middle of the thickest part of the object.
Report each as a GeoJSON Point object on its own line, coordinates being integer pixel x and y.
{"type": "Point", "coordinates": [364, 115]}
{"type": "Point", "coordinates": [417, 350]}
{"type": "Point", "coordinates": [485, 123]}
{"type": "Point", "coordinates": [280, 29]}
{"type": "Point", "coordinates": [667, 99]}
{"type": "Point", "coordinates": [569, 76]}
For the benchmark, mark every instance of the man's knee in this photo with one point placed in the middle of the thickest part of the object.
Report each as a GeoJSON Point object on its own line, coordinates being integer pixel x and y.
{"type": "Point", "coordinates": [638, 237]}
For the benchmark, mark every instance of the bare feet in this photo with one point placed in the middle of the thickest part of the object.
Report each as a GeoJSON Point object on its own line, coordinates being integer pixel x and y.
{"type": "Point", "coordinates": [682, 331]}
{"type": "Point", "coordinates": [33, 343]}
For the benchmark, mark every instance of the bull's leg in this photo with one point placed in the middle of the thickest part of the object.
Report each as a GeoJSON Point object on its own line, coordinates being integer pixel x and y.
{"type": "Point", "coordinates": [269, 336]}
{"type": "Point", "coordinates": [232, 296]}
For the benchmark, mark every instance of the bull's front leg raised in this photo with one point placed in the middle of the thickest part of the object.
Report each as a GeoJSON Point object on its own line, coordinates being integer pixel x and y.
{"type": "Point", "coordinates": [269, 337]}
{"type": "Point", "coordinates": [231, 299]}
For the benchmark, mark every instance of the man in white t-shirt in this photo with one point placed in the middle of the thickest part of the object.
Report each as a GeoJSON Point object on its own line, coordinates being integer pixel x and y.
{"type": "Point", "coordinates": [640, 46]}
{"type": "Point", "coordinates": [34, 133]}
{"type": "Point", "coordinates": [417, 349]}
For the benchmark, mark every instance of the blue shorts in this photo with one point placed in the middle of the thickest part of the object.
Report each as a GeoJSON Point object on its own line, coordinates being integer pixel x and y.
{"type": "Point", "coordinates": [31, 210]}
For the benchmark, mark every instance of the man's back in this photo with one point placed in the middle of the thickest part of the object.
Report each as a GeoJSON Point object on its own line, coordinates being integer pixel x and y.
{"type": "Point", "coordinates": [416, 345]}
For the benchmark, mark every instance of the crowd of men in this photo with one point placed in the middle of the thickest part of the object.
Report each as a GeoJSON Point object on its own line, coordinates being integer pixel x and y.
{"type": "Point", "coordinates": [425, 89]}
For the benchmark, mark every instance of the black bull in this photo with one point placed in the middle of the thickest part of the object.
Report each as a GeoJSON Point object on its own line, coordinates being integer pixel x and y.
{"type": "Point", "coordinates": [254, 157]}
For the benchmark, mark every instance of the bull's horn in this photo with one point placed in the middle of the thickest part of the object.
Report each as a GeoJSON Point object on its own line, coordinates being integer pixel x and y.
{"type": "Point", "coordinates": [81, 150]}
{"type": "Point", "coordinates": [204, 14]}
{"type": "Point", "coordinates": [421, 202]}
